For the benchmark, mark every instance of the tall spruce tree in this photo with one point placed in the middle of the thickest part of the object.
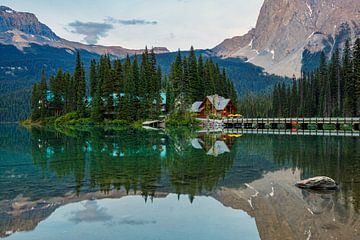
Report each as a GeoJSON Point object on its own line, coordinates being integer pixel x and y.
{"type": "Point", "coordinates": [93, 78]}
{"type": "Point", "coordinates": [35, 96]}
{"type": "Point", "coordinates": [80, 86]}
{"type": "Point", "coordinates": [356, 60]}
{"type": "Point", "coordinates": [347, 73]}
{"type": "Point", "coordinates": [43, 89]}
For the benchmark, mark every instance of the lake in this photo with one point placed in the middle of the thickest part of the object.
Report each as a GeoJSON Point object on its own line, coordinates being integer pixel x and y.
{"type": "Point", "coordinates": [174, 184]}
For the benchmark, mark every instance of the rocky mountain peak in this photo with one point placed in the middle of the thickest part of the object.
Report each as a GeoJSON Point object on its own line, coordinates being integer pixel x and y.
{"type": "Point", "coordinates": [22, 29]}
{"type": "Point", "coordinates": [287, 28]}
{"type": "Point", "coordinates": [6, 9]}
{"type": "Point", "coordinates": [27, 23]}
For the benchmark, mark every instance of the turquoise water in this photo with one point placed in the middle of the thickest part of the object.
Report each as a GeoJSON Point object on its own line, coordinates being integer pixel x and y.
{"type": "Point", "coordinates": [176, 184]}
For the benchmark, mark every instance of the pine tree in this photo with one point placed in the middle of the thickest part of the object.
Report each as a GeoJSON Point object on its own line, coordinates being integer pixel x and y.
{"type": "Point", "coordinates": [79, 81]}
{"type": "Point", "coordinates": [193, 77]}
{"type": "Point", "coordinates": [336, 84]}
{"type": "Point", "coordinates": [137, 90]}
{"type": "Point", "coordinates": [97, 104]}
{"type": "Point", "coordinates": [128, 111]}
{"type": "Point", "coordinates": [35, 96]}
{"type": "Point", "coordinates": [201, 77]}
{"type": "Point", "coordinates": [357, 75]}
{"type": "Point", "coordinates": [93, 78]}
{"type": "Point", "coordinates": [67, 89]}
{"type": "Point", "coordinates": [322, 75]}
{"type": "Point", "coordinates": [349, 88]}
{"type": "Point", "coordinates": [107, 83]}
{"type": "Point", "coordinates": [56, 84]}
{"type": "Point", "coordinates": [43, 89]}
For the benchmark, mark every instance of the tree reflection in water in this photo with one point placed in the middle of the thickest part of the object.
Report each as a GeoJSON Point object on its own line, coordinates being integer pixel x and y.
{"type": "Point", "coordinates": [185, 162]}
{"type": "Point", "coordinates": [135, 160]}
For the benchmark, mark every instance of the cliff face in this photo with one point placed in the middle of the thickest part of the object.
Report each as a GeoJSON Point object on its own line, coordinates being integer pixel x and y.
{"type": "Point", "coordinates": [24, 22]}
{"type": "Point", "coordinates": [21, 29]}
{"type": "Point", "coordinates": [286, 28]}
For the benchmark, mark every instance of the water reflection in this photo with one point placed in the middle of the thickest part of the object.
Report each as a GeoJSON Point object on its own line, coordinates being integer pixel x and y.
{"type": "Point", "coordinates": [129, 218]}
{"type": "Point", "coordinates": [137, 160]}
{"type": "Point", "coordinates": [42, 170]}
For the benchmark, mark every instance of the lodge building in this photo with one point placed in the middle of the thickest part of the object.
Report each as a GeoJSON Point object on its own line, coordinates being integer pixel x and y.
{"type": "Point", "coordinates": [215, 106]}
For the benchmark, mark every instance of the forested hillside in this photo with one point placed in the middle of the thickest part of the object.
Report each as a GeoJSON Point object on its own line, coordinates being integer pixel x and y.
{"type": "Point", "coordinates": [20, 69]}
{"type": "Point", "coordinates": [129, 91]}
{"type": "Point", "coordinates": [330, 90]}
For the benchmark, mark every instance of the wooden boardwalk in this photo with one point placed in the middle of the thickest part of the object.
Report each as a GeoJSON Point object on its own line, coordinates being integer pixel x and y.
{"type": "Point", "coordinates": [289, 132]}
{"type": "Point", "coordinates": [303, 123]}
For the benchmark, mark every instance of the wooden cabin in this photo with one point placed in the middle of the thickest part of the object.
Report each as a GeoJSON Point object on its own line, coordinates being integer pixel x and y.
{"type": "Point", "coordinates": [214, 105]}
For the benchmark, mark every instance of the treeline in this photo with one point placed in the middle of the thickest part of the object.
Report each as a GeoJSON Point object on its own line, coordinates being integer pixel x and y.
{"type": "Point", "coordinates": [15, 105]}
{"type": "Point", "coordinates": [129, 90]}
{"type": "Point", "coordinates": [191, 79]}
{"type": "Point", "coordinates": [331, 90]}
{"type": "Point", "coordinates": [116, 90]}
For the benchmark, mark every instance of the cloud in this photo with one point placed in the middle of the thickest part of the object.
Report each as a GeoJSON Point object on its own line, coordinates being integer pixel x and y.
{"type": "Point", "coordinates": [128, 220]}
{"type": "Point", "coordinates": [91, 213]}
{"type": "Point", "coordinates": [92, 31]}
{"type": "Point", "coordinates": [130, 21]}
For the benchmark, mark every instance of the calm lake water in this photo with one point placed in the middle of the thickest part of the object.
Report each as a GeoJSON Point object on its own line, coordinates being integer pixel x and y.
{"type": "Point", "coordinates": [134, 184]}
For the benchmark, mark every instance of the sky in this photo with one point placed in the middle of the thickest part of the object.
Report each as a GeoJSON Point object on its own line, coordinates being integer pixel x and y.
{"type": "Point", "coordinates": [135, 24]}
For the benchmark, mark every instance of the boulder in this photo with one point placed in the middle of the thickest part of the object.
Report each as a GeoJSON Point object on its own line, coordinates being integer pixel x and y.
{"type": "Point", "coordinates": [318, 183]}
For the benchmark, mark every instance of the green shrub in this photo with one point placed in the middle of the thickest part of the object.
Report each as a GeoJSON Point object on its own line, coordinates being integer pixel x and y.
{"type": "Point", "coordinates": [312, 127]}
{"type": "Point", "coordinates": [329, 127]}
{"type": "Point", "coordinates": [346, 127]}
{"type": "Point", "coordinates": [186, 120]}
{"type": "Point", "coordinates": [66, 119]}
{"type": "Point", "coordinates": [117, 122]}
{"type": "Point", "coordinates": [267, 126]}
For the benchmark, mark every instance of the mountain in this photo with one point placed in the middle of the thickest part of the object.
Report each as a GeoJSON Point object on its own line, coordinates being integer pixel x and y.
{"type": "Point", "coordinates": [290, 34]}
{"type": "Point", "coordinates": [21, 29]}
{"type": "Point", "coordinates": [27, 45]}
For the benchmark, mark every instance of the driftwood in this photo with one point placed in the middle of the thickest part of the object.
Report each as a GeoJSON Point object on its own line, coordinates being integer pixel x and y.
{"type": "Point", "coordinates": [318, 184]}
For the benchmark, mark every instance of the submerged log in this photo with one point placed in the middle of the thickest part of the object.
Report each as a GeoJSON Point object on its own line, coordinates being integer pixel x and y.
{"type": "Point", "coordinates": [318, 183]}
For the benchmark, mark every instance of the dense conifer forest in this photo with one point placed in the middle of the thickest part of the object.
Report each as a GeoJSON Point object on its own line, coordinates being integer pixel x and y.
{"type": "Point", "coordinates": [332, 90]}
{"type": "Point", "coordinates": [130, 90]}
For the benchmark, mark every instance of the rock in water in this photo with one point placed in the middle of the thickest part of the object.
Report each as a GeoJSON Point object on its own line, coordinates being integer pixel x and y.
{"type": "Point", "coordinates": [318, 183]}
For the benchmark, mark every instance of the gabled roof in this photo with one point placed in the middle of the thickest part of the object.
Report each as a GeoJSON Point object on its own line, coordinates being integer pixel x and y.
{"type": "Point", "coordinates": [218, 102]}
{"type": "Point", "coordinates": [218, 148]}
{"type": "Point", "coordinates": [196, 107]}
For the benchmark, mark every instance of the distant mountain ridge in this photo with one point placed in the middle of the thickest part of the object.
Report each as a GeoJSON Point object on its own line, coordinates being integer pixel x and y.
{"type": "Point", "coordinates": [21, 29]}
{"type": "Point", "coordinates": [288, 31]}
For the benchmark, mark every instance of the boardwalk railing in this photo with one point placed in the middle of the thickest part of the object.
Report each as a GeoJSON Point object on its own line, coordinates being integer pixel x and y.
{"type": "Point", "coordinates": [289, 132]}
{"type": "Point", "coordinates": [288, 122]}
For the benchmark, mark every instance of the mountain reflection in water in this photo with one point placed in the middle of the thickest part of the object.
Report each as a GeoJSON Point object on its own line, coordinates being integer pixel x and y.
{"type": "Point", "coordinates": [43, 170]}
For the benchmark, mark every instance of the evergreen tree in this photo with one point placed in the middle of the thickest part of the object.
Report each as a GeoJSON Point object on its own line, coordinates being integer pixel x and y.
{"type": "Point", "coordinates": [201, 77]}
{"type": "Point", "coordinates": [357, 75]}
{"type": "Point", "coordinates": [93, 78]}
{"type": "Point", "coordinates": [56, 84]}
{"type": "Point", "coordinates": [43, 89]}
{"type": "Point", "coordinates": [80, 86]}
{"type": "Point", "coordinates": [193, 77]}
{"type": "Point", "coordinates": [347, 73]}
{"type": "Point", "coordinates": [336, 84]}
{"type": "Point", "coordinates": [97, 104]}
{"type": "Point", "coordinates": [35, 96]}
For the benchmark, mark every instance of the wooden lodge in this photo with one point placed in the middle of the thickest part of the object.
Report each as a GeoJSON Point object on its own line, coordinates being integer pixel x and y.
{"type": "Point", "coordinates": [214, 105]}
